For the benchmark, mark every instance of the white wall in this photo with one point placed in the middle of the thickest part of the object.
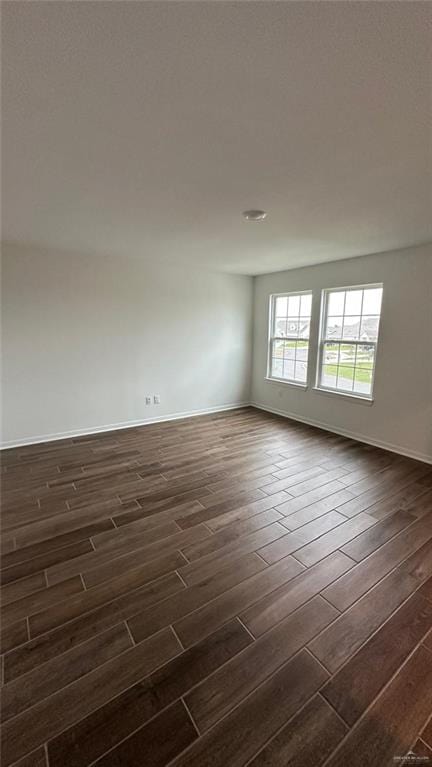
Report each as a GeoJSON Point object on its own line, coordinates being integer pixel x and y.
{"type": "Point", "coordinates": [85, 340]}
{"type": "Point", "coordinates": [400, 417]}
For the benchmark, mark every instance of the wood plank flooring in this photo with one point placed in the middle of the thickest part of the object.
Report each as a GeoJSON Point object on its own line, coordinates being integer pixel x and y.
{"type": "Point", "coordinates": [229, 590]}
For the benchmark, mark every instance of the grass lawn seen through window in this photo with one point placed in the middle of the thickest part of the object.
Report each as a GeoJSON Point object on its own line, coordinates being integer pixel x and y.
{"type": "Point", "coordinates": [362, 374]}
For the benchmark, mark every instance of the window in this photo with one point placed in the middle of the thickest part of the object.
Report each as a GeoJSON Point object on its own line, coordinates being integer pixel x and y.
{"type": "Point", "coordinates": [289, 337]}
{"type": "Point", "coordinates": [349, 335]}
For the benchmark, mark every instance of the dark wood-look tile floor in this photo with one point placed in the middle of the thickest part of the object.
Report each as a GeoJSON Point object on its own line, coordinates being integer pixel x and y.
{"type": "Point", "coordinates": [235, 589]}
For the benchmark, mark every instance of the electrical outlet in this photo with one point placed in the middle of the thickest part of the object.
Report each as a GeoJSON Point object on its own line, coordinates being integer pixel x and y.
{"type": "Point", "coordinates": [156, 399]}
{"type": "Point", "coordinates": [148, 400]}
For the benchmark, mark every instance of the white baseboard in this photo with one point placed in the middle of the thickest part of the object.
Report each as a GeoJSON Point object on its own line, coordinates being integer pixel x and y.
{"type": "Point", "coordinates": [117, 426]}
{"type": "Point", "coordinates": [400, 450]}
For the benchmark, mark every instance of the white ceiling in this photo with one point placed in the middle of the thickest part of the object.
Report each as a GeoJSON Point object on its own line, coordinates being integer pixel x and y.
{"type": "Point", "coordinates": [144, 129]}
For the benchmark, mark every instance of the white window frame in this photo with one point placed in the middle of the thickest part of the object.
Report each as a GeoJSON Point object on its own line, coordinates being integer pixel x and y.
{"type": "Point", "coordinates": [272, 338]}
{"type": "Point", "coordinates": [323, 340]}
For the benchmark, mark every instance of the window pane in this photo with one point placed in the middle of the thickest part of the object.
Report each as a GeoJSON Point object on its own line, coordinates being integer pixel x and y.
{"type": "Point", "coordinates": [281, 306]}
{"type": "Point", "coordinates": [372, 301]}
{"type": "Point", "coordinates": [353, 301]}
{"type": "Point", "coordinates": [280, 327]}
{"type": "Point", "coordinates": [288, 369]}
{"type": "Point", "coordinates": [289, 360]}
{"type": "Point", "coordinates": [329, 375]}
{"type": "Point", "coordinates": [276, 367]}
{"type": "Point", "coordinates": [363, 381]}
{"type": "Point", "coordinates": [369, 329]}
{"type": "Point", "coordinates": [351, 327]}
{"type": "Point", "coordinates": [300, 371]}
{"type": "Point", "coordinates": [336, 302]}
{"type": "Point", "coordinates": [293, 306]}
{"type": "Point", "coordinates": [302, 350]}
{"type": "Point", "coordinates": [347, 354]}
{"type": "Point", "coordinates": [365, 357]}
{"type": "Point", "coordinates": [334, 327]}
{"type": "Point", "coordinates": [345, 378]}
{"type": "Point", "coordinates": [293, 327]}
{"type": "Point", "coordinates": [331, 354]}
{"type": "Point", "coordinates": [305, 306]}
{"type": "Point", "coordinates": [304, 328]}
{"type": "Point", "coordinates": [291, 316]}
{"type": "Point", "coordinates": [278, 347]}
{"type": "Point", "coordinates": [290, 350]}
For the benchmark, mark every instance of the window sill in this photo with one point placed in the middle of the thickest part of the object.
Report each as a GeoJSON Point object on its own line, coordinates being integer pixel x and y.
{"type": "Point", "coordinates": [287, 383]}
{"type": "Point", "coordinates": [344, 395]}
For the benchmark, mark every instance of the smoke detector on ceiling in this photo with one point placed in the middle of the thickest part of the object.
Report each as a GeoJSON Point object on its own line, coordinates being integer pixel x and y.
{"type": "Point", "coordinates": [254, 215]}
